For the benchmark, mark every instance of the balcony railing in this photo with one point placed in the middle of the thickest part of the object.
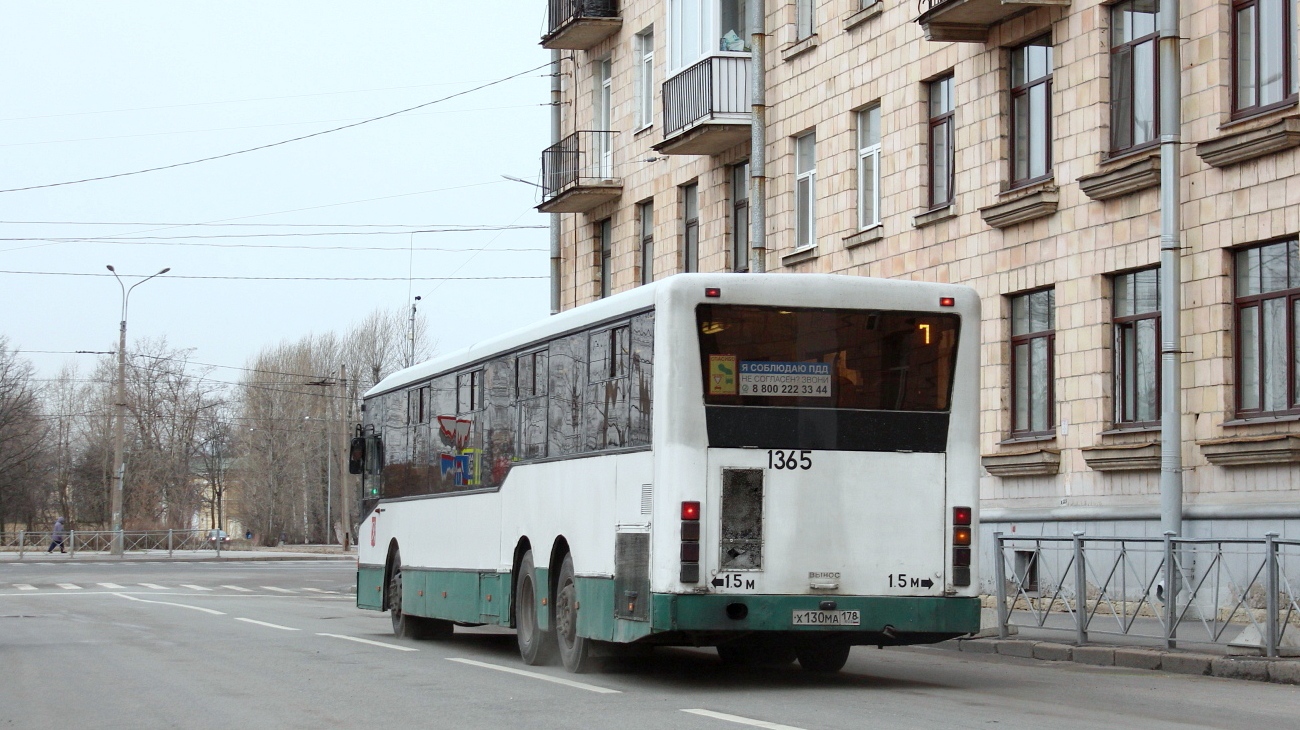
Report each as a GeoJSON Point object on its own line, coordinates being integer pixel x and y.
{"type": "Point", "coordinates": [578, 172]}
{"type": "Point", "coordinates": [709, 103]}
{"type": "Point", "coordinates": [580, 24]}
{"type": "Point", "coordinates": [970, 20]}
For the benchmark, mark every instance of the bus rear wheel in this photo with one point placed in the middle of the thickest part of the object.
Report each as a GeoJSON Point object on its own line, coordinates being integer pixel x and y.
{"type": "Point", "coordinates": [406, 626]}
{"type": "Point", "coordinates": [575, 650]}
{"type": "Point", "coordinates": [823, 656]}
{"type": "Point", "coordinates": [535, 645]}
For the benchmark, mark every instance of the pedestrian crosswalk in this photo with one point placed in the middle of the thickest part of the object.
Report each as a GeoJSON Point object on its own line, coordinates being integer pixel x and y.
{"type": "Point", "coordinates": [176, 588]}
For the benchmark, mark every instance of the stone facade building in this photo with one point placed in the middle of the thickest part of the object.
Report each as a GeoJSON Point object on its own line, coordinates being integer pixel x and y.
{"type": "Point", "coordinates": [1010, 147]}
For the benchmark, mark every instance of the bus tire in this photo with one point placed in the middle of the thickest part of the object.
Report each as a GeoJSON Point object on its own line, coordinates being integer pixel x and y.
{"type": "Point", "coordinates": [403, 625]}
{"type": "Point", "coordinates": [535, 646]}
{"type": "Point", "coordinates": [823, 656]}
{"type": "Point", "coordinates": [575, 650]}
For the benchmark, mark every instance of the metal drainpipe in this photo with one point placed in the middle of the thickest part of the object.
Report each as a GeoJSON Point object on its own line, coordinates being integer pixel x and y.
{"type": "Point", "coordinates": [556, 263]}
{"type": "Point", "coordinates": [758, 139]}
{"type": "Point", "coordinates": [1171, 430]}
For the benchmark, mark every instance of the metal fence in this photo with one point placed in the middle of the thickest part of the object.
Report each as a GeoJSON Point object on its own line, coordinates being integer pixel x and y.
{"type": "Point", "coordinates": [583, 155]}
{"type": "Point", "coordinates": [1197, 590]}
{"type": "Point", "coordinates": [561, 12]}
{"type": "Point", "coordinates": [717, 85]}
{"type": "Point", "coordinates": [101, 541]}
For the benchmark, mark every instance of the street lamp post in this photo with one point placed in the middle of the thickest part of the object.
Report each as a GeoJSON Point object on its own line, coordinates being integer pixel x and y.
{"type": "Point", "coordinates": [119, 432]}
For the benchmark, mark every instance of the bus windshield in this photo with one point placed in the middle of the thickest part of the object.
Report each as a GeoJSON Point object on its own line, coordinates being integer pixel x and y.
{"type": "Point", "coordinates": [827, 358]}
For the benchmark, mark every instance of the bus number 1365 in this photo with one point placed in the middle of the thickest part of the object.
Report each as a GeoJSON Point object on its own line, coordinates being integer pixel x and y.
{"type": "Point", "coordinates": [778, 459]}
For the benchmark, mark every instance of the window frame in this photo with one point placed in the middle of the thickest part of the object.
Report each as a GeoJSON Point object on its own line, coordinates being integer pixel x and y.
{"type": "Point", "coordinates": [945, 119]}
{"type": "Point", "coordinates": [645, 77]}
{"type": "Point", "coordinates": [605, 255]}
{"type": "Point", "coordinates": [740, 217]}
{"type": "Point", "coordinates": [645, 216]}
{"type": "Point", "coordinates": [805, 214]}
{"type": "Point", "coordinates": [870, 150]}
{"type": "Point", "coordinates": [805, 19]}
{"type": "Point", "coordinates": [691, 227]}
{"type": "Point", "coordinates": [1026, 90]}
{"type": "Point", "coordinates": [1027, 338]}
{"type": "Point", "coordinates": [1291, 318]}
{"type": "Point", "coordinates": [1119, 323]}
{"type": "Point", "coordinates": [1288, 51]}
{"type": "Point", "coordinates": [1130, 48]}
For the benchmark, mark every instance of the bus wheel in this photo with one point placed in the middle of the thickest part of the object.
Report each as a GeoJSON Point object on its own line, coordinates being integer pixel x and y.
{"type": "Point", "coordinates": [823, 656]}
{"type": "Point", "coordinates": [574, 649]}
{"type": "Point", "coordinates": [535, 646]}
{"type": "Point", "coordinates": [406, 626]}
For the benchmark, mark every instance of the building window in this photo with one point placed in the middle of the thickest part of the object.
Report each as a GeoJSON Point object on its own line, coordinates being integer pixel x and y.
{"type": "Point", "coordinates": [604, 231]}
{"type": "Point", "coordinates": [1033, 324]}
{"type": "Point", "coordinates": [1264, 55]}
{"type": "Point", "coordinates": [1031, 111]}
{"type": "Point", "coordinates": [1137, 347]}
{"type": "Point", "coordinates": [804, 22]}
{"type": "Point", "coordinates": [645, 78]}
{"type": "Point", "coordinates": [1133, 89]}
{"type": "Point", "coordinates": [869, 167]}
{"type": "Point", "coordinates": [740, 217]}
{"type": "Point", "coordinates": [941, 138]}
{"type": "Point", "coordinates": [733, 28]}
{"type": "Point", "coordinates": [805, 190]}
{"type": "Point", "coordinates": [691, 234]}
{"type": "Point", "coordinates": [602, 111]}
{"type": "Point", "coordinates": [1268, 328]}
{"type": "Point", "coordinates": [646, 216]}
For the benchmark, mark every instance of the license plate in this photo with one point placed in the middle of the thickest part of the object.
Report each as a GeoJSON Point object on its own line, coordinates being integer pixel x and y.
{"type": "Point", "coordinates": [827, 618]}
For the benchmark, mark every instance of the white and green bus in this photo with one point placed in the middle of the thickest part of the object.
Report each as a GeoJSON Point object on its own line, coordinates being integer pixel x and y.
{"type": "Point", "coordinates": [781, 466]}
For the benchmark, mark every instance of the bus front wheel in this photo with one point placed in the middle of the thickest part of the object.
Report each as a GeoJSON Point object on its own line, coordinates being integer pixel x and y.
{"type": "Point", "coordinates": [535, 645]}
{"type": "Point", "coordinates": [574, 649]}
{"type": "Point", "coordinates": [823, 656]}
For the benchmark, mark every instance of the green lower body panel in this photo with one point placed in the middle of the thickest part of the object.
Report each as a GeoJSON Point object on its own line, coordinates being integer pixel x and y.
{"type": "Point", "coordinates": [905, 614]}
{"type": "Point", "coordinates": [596, 613]}
{"type": "Point", "coordinates": [370, 587]}
{"type": "Point", "coordinates": [466, 596]}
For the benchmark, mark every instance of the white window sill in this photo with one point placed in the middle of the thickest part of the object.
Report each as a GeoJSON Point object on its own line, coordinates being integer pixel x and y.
{"type": "Point", "coordinates": [799, 255]}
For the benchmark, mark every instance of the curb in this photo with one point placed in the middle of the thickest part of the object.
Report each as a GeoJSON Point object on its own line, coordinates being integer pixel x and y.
{"type": "Point", "coordinates": [1258, 669]}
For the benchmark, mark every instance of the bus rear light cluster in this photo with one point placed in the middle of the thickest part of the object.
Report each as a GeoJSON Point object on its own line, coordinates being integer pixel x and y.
{"type": "Point", "coordinates": [961, 542]}
{"type": "Point", "coordinates": [690, 570]}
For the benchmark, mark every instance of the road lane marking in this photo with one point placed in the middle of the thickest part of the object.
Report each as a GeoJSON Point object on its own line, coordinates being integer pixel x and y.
{"type": "Point", "coordinates": [154, 586]}
{"type": "Point", "coordinates": [317, 590]}
{"type": "Point", "coordinates": [68, 586]}
{"type": "Point", "coordinates": [24, 587]}
{"type": "Point", "coordinates": [169, 603]}
{"type": "Point", "coordinates": [742, 720]}
{"type": "Point", "coordinates": [535, 675]}
{"type": "Point", "coordinates": [277, 590]}
{"type": "Point", "coordinates": [263, 623]}
{"type": "Point", "coordinates": [194, 587]}
{"type": "Point", "coordinates": [238, 588]}
{"type": "Point", "coordinates": [112, 586]}
{"type": "Point", "coordinates": [368, 641]}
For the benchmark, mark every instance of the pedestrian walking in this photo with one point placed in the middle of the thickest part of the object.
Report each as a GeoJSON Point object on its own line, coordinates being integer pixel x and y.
{"type": "Point", "coordinates": [58, 537]}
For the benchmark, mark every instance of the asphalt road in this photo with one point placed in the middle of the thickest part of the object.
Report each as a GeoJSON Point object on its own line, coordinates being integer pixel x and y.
{"type": "Point", "coordinates": [280, 645]}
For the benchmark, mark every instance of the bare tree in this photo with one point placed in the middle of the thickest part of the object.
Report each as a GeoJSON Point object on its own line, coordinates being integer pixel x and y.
{"type": "Point", "coordinates": [22, 442]}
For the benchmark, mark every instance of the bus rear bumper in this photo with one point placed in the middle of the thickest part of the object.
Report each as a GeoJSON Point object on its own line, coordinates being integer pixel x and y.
{"type": "Point", "coordinates": [881, 619]}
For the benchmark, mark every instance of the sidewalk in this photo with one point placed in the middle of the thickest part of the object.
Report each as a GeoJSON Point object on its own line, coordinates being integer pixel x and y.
{"type": "Point", "coordinates": [297, 552]}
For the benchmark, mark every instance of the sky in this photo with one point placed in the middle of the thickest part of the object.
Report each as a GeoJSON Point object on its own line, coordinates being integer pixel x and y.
{"type": "Point", "coordinates": [91, 88]}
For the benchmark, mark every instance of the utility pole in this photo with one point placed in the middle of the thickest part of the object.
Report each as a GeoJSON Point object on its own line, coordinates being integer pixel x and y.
{"type": "Point", "coordinates": [411, 359]}
{"type": "Point", "coordinates": [119, 428]}
{"type": "Point", "coordinates": [345, 493]}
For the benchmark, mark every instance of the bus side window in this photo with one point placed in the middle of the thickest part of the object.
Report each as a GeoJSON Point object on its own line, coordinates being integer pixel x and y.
{"type": "Point", "coordinates": [641, 382]}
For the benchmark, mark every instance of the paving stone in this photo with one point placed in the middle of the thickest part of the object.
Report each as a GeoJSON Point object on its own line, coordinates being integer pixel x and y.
{"type": "Point", "coordinates": [1286, 672]}
{"type": "Point", "coordinates": [980, 646]}
{"type": "Point", "coordinates": [1137, 658]}
{"type": "Point", "coordinates": [1102, 656]}
{"type": "Point", "coordinates": [1051, 652]}
{"type": "Point", "coordinates": [1187, 663]}
{"type": "Point", "coordinates": [1230, 668]}
{"type": "Point", "coordinates": [1016, 647]}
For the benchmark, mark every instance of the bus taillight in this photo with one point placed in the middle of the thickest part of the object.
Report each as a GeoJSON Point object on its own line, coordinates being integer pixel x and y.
{"type": "Point", "coordinates": [690, 555]}
{"type": "Point", "coordinates": [961, 540]}
{"type": "Point", "coordinates": [961, 515]}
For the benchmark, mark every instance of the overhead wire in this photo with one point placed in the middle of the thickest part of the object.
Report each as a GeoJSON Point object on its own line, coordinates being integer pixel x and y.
{"type": "Point", "coordinates": [287, 278]}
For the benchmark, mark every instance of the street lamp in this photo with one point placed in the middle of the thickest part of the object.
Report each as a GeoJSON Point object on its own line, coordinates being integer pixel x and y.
{"type": "Point", "coordinates": [119, 467]}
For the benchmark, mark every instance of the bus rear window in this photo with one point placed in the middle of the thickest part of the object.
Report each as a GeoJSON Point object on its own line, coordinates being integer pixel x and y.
{"type": "Point", "coordinates": [827, 358]}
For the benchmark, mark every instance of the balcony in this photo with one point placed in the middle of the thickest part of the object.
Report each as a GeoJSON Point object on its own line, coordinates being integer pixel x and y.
{"type": "Point", "coordinates": [706, 107]}
{"type": "Point", "coordinates": [969, 20]}
{"type": "Point", "coordinates": [578, 173]}
{"type": "Point", "coordinates": [577, 25]}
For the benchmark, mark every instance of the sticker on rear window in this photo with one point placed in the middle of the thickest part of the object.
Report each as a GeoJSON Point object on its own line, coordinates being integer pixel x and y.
{"type": "Point", "coordinates": [789, 379]}
{"type": "Point", "coordinates": [722, 374]}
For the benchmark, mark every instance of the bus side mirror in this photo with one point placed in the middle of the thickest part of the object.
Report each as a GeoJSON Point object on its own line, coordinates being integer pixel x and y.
{"type": "Point", "coordinates": [356, 455]}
